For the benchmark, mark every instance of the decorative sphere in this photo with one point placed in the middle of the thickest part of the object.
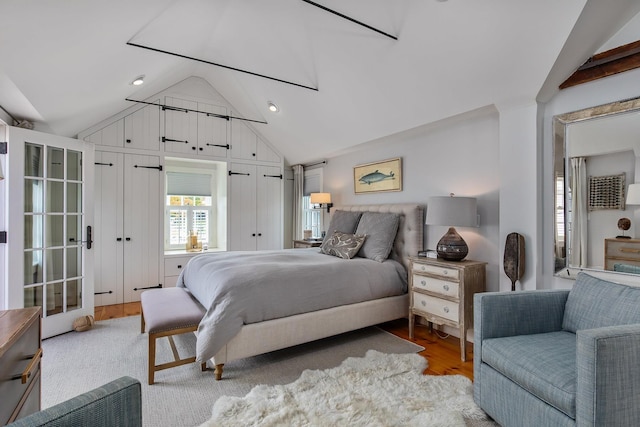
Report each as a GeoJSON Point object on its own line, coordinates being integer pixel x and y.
{"type": "Point", "coordinates": [624, 224]}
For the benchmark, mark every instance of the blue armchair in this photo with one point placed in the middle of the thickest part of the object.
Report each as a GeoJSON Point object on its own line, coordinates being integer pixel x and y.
{"type": "Point", "coordinates": [116, 404]}
{"type": "Point", "coordinates": [559, 358]}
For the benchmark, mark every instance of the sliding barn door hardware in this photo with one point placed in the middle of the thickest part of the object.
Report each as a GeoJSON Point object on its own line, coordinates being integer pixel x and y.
{"type": "Point", "coordinates": [227, 146]}
{"type": "Point", "coordinates": [179, 55]}
{"type": "Point", "coordinates": [149, 167]}
{"type": "Point", "coordinates": [103, 164]}
{"type": "Point", "coordinates": [273, 176]}
{"type": "Point", "coordinates": [148, 287]}
{"type": "Point", "coordinates": [101, 293]}
{"type": "Point", "coordinates": [189, 110]}
{"type": "Point", "coordinates": [348, 18]}
{"type": "Point", "coordinates": [238, 173]}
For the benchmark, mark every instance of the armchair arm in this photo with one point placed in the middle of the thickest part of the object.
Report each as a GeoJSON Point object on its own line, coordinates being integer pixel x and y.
{"type": "Point", "coordinates": [608, 379]}
{"type": "Point", "coordinates": [116, 404]}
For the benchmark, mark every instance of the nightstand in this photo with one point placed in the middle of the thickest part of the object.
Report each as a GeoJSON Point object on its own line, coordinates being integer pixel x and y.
{"type": "Point", "coordinates": [441, 292]}
{"type": "Point", "coordinates": [314, 243]}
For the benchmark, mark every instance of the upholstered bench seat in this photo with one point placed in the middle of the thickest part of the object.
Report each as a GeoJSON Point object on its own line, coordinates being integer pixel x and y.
{"type": "Point", "coordinates": [167, 312]}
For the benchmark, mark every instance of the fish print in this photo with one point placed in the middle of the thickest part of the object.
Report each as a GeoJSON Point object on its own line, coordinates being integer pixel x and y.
{"type": "Point", "coordinates": [376, 176]}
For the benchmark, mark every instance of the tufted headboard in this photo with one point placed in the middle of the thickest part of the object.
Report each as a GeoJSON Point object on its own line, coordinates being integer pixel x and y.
{"type": "Point", "coordinates": [409, 239]}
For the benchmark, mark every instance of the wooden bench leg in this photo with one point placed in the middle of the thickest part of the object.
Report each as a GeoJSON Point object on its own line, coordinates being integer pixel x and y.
{"type": "Point", "coordinates": [142, 322]}
{"type": "Point", "coordinates": [218, 371]}
{"type": "Point", "coordinates": [152, 357]}
{"type": "Point", "coordinates": [203, 366]}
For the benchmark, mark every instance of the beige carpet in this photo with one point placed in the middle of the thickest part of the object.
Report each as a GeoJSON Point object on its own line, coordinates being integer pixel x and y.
{"type": "Point", "coordinates": [74, 363]}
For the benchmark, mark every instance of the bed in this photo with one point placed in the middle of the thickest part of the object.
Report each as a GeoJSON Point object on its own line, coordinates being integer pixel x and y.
{"type": "Point", "coordinates": [360, 308]}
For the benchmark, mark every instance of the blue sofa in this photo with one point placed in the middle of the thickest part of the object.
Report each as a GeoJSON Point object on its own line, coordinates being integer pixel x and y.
{"type": "Point", "coordinates": [116, 404]}
{"type": "Point", "coordinates": [559, 357]}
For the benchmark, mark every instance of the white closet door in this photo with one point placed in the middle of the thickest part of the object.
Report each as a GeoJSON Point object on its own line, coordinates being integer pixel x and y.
{"type": "Point", "coordinates": [242, 190]}
{"type": "Point", "coordinates": [243, 141]}
{"type": "Point", "coordinates": [110, 136]}
{"type": "Point", "coordinates": [142, 226]}
{"type": "Point", "coordinates": [180, 126]}
{"type": "Point", "coordinates": [265, 153]}
{"type": "Point", "coordinates": [108, 238]}
{"type": "Point", "coordinates": [269, 207]}
{"type": "Point", "coordinates": [142, 128]}
{"type": "Point", "coordinates": [212, 131]}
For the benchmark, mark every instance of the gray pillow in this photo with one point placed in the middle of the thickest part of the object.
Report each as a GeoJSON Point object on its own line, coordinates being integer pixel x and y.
{"type": "Point", "coordinates": [343, 245]}
{"type": "Point", "coordinates": [343, 221]}
{"type": "Point", "coordinates": [380, 229]}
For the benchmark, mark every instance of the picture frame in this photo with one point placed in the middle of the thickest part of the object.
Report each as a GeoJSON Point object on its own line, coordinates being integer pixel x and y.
{"type": "Point", "coordinates": [385, 175]}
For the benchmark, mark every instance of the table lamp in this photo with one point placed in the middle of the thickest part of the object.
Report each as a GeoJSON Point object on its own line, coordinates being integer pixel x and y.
{"type": "Point", "coordinates": [453, 212]}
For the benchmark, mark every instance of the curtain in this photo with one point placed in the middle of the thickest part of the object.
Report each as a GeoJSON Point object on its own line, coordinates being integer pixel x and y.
{"type": "Point", "coordinates": [298, 193]}
{"type": "Point", "coordinates": [579, 212]}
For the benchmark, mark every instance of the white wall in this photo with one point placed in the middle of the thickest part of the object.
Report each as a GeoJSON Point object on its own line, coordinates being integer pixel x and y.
{"type": "Point", "coordinates": [459, 155]}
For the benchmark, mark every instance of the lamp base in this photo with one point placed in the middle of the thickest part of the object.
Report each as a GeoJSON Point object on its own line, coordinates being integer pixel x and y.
{"type": "Point", "coordinates": [452, 246]}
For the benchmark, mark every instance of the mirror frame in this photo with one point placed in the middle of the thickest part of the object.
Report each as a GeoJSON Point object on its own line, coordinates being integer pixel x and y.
{"type": "Point", "coordinates": [559, 129]}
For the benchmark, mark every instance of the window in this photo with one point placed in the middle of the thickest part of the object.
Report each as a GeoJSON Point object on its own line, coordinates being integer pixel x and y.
{"type": "Point", "coordinates": [311, 217]}
{"type": "Point", "coordinates": [195, 202]}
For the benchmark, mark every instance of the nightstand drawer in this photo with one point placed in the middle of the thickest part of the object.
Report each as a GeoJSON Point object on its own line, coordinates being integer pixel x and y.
{"type": "Point", "coordinates": [439, 286]}
{"type": "Point", "coordinates": [174, 265]}
{"type": "Point", "coordinates": [451, 273]}
{"type": "Point", "coordinates": [436, 306]}
{"type": "Point", "coordinates": [623, 249]}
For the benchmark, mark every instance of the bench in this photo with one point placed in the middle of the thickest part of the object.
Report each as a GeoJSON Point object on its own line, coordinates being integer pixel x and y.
{"type": "Point", "coordinates": [167, 312]}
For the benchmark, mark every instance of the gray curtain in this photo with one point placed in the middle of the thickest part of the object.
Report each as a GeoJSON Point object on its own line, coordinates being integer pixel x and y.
{"type": "Point", "coordinates": [298, 193]}
{"type": "Point", "coordinates": [579, 214]}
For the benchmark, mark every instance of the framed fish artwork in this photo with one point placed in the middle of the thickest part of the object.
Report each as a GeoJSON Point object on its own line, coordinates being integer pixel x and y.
{"type": "Point", "coordinates": [385, 175]}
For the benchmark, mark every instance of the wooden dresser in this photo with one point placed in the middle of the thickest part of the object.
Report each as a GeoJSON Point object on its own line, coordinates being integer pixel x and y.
{"type": "Point", "coordinates": [621, 251]}
{"type": "Point", "coordinates": [441, 292]}
{"type": "Point", "coordinates": [20, 354]}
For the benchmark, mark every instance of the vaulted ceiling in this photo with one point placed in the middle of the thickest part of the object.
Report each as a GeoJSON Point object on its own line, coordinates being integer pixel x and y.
{"type": "Point", "coordinates": [67, 65]}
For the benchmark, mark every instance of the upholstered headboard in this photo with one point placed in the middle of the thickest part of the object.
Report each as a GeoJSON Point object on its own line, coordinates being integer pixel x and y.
{"type": "Point", "coordinates": [409, 239]}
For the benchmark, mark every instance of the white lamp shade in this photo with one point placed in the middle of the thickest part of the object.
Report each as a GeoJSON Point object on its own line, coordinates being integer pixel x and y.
{"type": "Point", "coordinates": [452, 211]}
{"type": "Point", "coordinates": [320, 198]}
{"type": "Point", "coordinates": [633, 194]}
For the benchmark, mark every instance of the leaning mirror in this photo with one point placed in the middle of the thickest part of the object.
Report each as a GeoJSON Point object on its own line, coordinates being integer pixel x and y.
{"type": "Point", "coordinates": [596, 156]}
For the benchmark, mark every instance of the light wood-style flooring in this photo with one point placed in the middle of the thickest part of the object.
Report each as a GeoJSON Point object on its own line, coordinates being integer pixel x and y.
{"type": "Point", "coordinates": [443, 355]}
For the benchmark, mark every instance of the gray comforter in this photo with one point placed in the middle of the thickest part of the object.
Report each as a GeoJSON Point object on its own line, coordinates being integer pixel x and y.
{"type": "Point", "coordinates": [239, 288]}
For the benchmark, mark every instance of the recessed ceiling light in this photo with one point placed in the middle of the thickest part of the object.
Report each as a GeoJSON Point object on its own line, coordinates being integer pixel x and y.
{"type": "Point", "coordinates": [273, 107]}
{"type": "Point", "coordinates": [138, 81]}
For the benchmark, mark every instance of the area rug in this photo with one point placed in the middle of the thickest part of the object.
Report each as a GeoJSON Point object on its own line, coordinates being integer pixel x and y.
{"type": "Point", "coordinates": [376, 390]}
{"type": "Point", "coordinates": [77, 362]}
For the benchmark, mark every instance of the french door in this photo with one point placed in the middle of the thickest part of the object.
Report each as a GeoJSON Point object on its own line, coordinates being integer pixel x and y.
{"type": "Point", "coordinates": [49, 259]}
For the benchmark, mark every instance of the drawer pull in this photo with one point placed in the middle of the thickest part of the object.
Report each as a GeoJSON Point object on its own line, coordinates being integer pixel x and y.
{"type": "Point", "coordinates": [423, 282]}
{"type": "Point", "coordinates": [445, 309]}
{"type": "Point", "coordinates": [630, 250]}
{"type": "Point", "coordinates": [422, 267]}
{"type": "Point", "coordinates": [445, 287]}
{"type": "Point", "coordinates": [445, 272]}
{"type": "Point", "coordinates": [179, 266]}
{"type": "Point", "coordinates": [26, 374]}
{"type": "Point", "coordinates": [424, 304]}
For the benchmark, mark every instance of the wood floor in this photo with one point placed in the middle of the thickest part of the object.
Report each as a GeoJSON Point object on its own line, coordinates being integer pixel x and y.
{"type": "Point", "coordinates": [443, 355]}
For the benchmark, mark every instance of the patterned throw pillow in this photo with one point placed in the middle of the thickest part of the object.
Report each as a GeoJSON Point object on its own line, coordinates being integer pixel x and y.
{"type": "Point", "coordinates": [343, 245]}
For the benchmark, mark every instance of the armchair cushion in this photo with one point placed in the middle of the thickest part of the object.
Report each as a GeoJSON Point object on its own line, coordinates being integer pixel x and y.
{"type": "Point", "coordinates": [595, 303]}
{"type": "Point", "coordinates": [542, 364]}
{"type": "Point", "coordinates": [116, 404]}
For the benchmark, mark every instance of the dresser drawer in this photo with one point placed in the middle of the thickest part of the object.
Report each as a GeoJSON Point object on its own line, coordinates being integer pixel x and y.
{"type": "Point", "coordinates": [451, 273]}
{"type": "Point", "coordinates": [439, 286]}
{"type": "Point", "coordinates": [436, 306]}
{"type": "Point", "coordinates": [174, 265]}
{"type": "Point", "coordinates": [625, 250]}
{"type": "Point", "coordinates": [13, 364]}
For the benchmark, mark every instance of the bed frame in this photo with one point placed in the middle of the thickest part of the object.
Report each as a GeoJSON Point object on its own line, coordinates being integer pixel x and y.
{"type": "Point", "coordinates": [271, 335]}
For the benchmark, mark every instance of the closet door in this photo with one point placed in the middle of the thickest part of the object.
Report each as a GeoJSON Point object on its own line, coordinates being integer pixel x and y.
{"type": "Point", "coordinates": [243, 141]}
{"type": "Point", "coordinates": [213, 137]}
{"type": "Point", "coordinates": [269, 207]}
{"type": "Point", "coordinates": [110, 136]}
{"type": "Point", "coordinates": [180, 126]}
{"type": "Point", "coordinates": [142, 128]}
{"type": "Point", "coordinates": [242, 190]}
{"type": "Point", "coordinates": [142, 224]}
{"type": "Point", "coordinates": [108, 239]}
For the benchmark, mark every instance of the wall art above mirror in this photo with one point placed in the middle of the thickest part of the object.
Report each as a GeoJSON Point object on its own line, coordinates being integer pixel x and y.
{"type": "Point", "coordinates": [596, 158]}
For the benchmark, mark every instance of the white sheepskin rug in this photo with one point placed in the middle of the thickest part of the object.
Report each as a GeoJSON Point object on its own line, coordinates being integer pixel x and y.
{"type": "Point", "coordinates": [377, 390]}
